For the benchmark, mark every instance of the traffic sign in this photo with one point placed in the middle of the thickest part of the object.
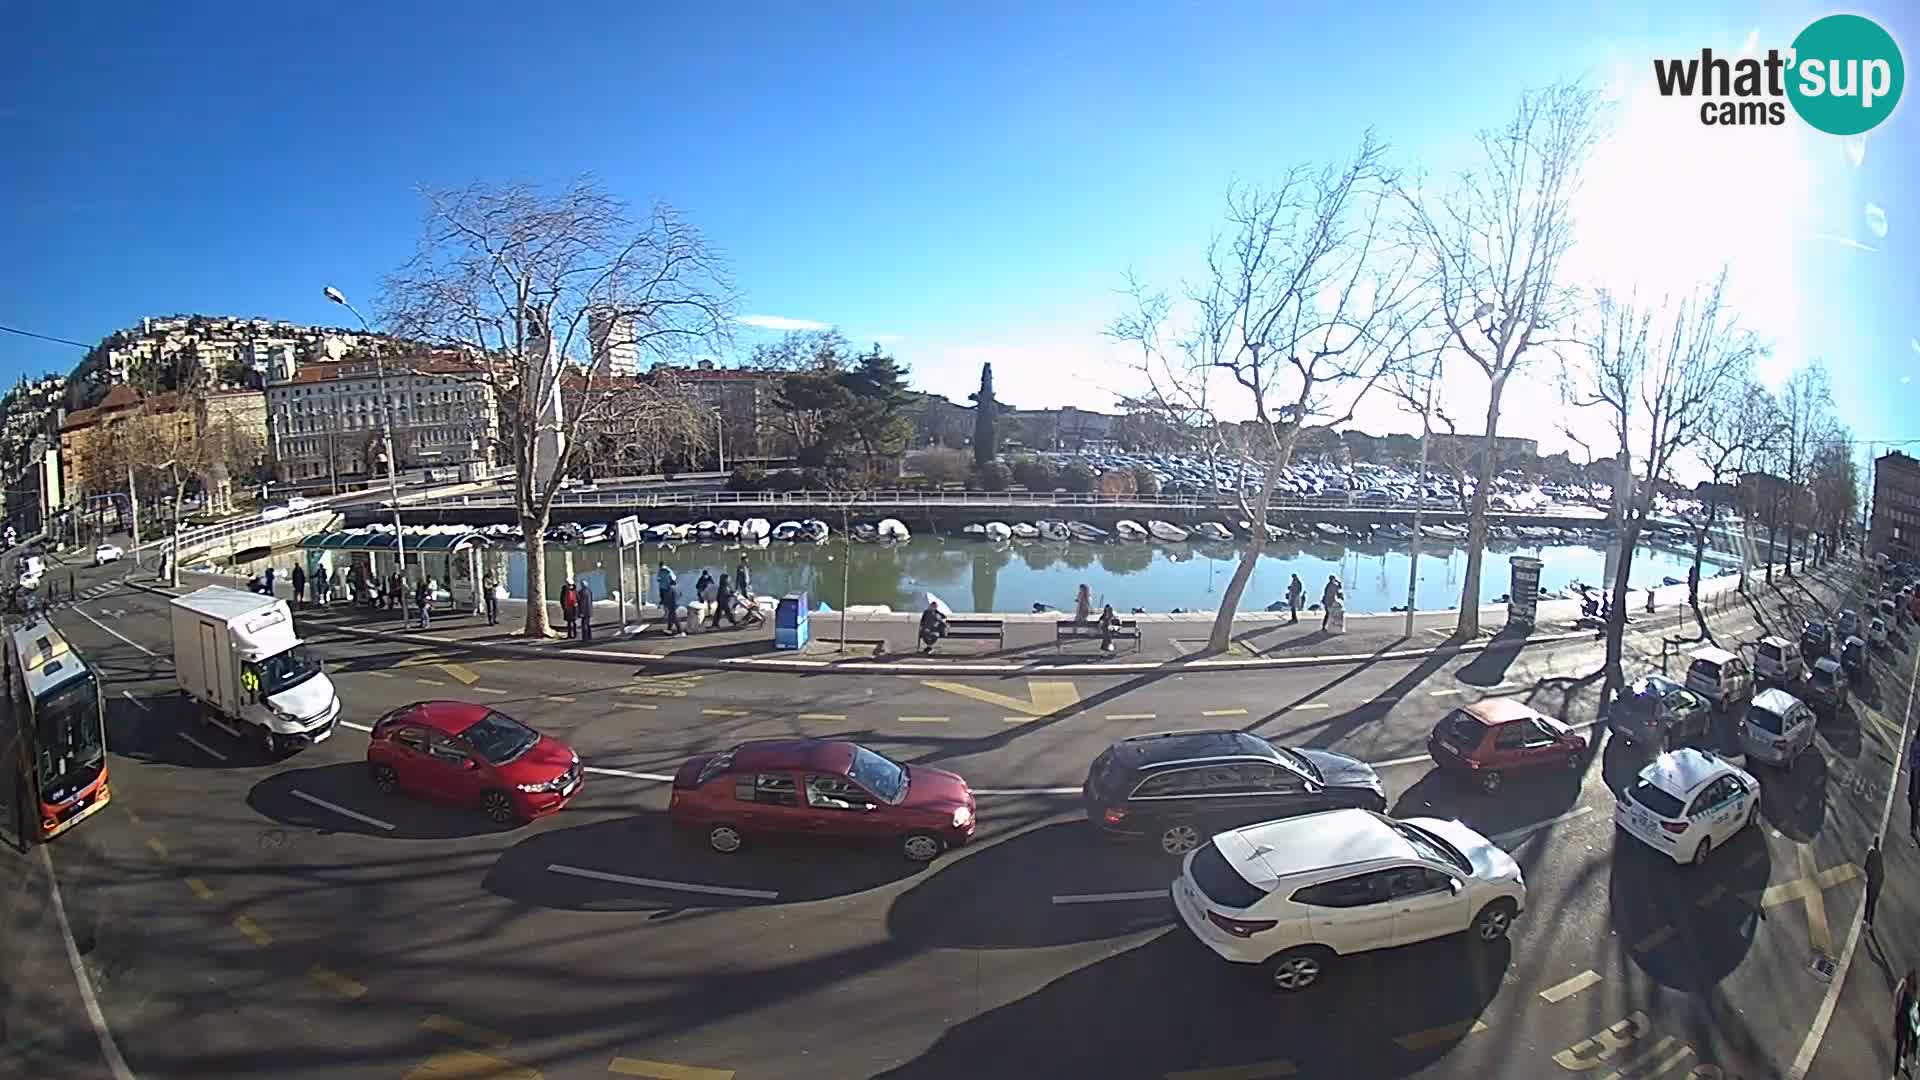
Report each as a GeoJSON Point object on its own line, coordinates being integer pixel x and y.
{"type": "Point", "coordinates": [629, 530]}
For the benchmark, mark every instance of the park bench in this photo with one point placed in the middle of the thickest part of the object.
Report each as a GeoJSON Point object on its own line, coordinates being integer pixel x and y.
{"type": "Point", "coordinates": [980, 629]}
{"type": "Point", "coordinates": [1067, 630]}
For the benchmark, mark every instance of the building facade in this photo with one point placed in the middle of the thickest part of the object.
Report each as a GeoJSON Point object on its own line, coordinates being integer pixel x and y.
{"type": "Point", "coordinates": [1895, 525]}
{"type": "Point", "coordinates": [614, 349]}
{"type": "Point", "coordinates": [324, 424]}
{"type": "Point", "coordinates": [231, 352]}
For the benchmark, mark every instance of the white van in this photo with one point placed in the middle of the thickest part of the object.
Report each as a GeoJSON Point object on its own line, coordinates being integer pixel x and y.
{"type": "Point", "coordinates": [1719, 676]}
{"type": "Point", "coordinates": [1779, 660]}
{"type": "Point", "coordinates": [237, 656]}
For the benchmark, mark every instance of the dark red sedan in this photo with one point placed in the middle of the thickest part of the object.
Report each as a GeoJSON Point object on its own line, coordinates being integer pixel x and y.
{"type": "Point", "coordinates": [824, 788]}
{"type": "Point", "coordinates": [473, 755]}
{"type": "Point", "coordinates": [1489, 739]}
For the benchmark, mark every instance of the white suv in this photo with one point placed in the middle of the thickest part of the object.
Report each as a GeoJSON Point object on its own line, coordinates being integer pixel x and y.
{"type": "Point", "coordinates": [1293, 895]}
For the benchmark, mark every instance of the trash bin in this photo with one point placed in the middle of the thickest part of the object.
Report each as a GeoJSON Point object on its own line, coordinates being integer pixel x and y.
{"type": "Point", "coordinates": [1336, 622]}
{"type": "Point", "coordinates": [1523, 591]}
{"type": "Point", "coordinates": [790, 622]}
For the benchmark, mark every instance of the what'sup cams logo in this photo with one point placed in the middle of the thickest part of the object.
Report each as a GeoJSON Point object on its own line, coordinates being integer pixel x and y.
{"type": "Point", "coordinates": [1843, 76]}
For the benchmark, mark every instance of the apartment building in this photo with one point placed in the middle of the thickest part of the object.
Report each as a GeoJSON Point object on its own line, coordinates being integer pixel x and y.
{"type": "Point", "coordinates": [1895, 525]}
{"type": "Point", "coordinates": [324, 423]}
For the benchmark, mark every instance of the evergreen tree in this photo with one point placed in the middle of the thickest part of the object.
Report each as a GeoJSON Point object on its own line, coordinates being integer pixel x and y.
{"type": "Point", "coordinates": [985, 419]}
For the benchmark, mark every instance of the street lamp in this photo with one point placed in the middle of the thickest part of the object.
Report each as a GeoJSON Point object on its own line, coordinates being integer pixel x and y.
{"type": "Point", "coordinates": [386, 437]}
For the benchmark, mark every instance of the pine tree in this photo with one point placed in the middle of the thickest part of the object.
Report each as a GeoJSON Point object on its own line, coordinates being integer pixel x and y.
{"type": "Point", "coordinates": [985, 418]}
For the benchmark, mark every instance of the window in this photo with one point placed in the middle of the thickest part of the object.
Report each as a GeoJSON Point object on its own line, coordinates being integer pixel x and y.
{"type": "Point", "coordinates": [1220, 882]}
{"type": "Point", "coordinates": [1711, 798]}
{"type": "Point", "coordinates": [1461, 730]}
{"type": "Point", "coordinates": [445, 749]}
{"type": "Point", "coordinates": [413, 738]}
{"type": "Point", "coordinates": [1169, 784]}
{"type": "Point", "coordinates": [1539, 735]}
{"type": "Point", "coordinates": [1511, 737]}
{"type": "Point", "coordinates": [834, 793]}
{"type": "Point", "coordinates": [772, 789]}
{"type": "Point", "coordinates": [1349, 892]}
{"type": "Point", "coordinates": [1763, 719]}
{"type": "Point", "coordinates": [1419, 881]}
{"type": "Point", "coordinates": [1259, 779]}
{"type": "Point", "coordinates": [1660, 802]}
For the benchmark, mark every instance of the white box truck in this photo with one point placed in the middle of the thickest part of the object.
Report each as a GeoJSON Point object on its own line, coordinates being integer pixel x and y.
{"type": "Point", "coordinates": [236, 654]}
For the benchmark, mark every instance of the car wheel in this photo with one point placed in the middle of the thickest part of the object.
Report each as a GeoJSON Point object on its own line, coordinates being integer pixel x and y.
{"type": "Point", "coordinates": [1179, 839]}
{"type": "Point", "coordinates": [498, 806]}
{"type": "Point", "coordinates": [1296, 969]}
{"type": "Point", "coordinates": [921, 846]}
{"type": "Point", "coordinates": [386, 779]}
{"type": "Point", "coordinates": [1753, 813]}
{"type": "Point", "coordinates": [1494, 921]}
{"type": "Point", "coordinates": [1490, 781]}
{"type": "Point", "coordinates": [725, 839]}
{"type": "Point", "coordinates": [1701, 853]}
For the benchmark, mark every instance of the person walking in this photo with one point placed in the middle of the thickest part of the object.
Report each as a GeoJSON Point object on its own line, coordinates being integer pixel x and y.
{"type": "Point", "coordinates": [1083, 603]}
{"type": "Point", "coordinates": [269, 581]}
{"type": "Point", "coordinates": [722, 605]}
{"type": "Point", "coordinates": [1876, 877]}
{"type": "Point", "coordinates": [703, 588]}
{"type": "Point", "coordinates": [583, 600]}
{"type": "Point", "coordinates": [320, 585]}
{"type": "Point", "coordinates": [570, 607]}
{"type": "Point", "coordinates": [396, 592]}
{"type": "Point", "coordinates": [299, 586]}
{"type": "Point", "coordinates": [1906, 1017]}
{"type": "Point", "coordinates": [1327, 596]}
{"type": "Point", "coordinates": [743, 580]}
{"type": "Point", "coordinates": [492, 589]}
{"type": "Point", "coordinates": [663, 580]}
{"type": "Point", "coordinates": [670, 600]}
{"type": "Point", "coordinates": [1296, 598]}
{"type": "Point", "coordinates": [423, 596]}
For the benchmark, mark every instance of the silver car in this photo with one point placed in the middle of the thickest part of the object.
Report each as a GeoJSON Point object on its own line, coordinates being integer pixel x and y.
{"type": "Point", "coordinates": [1777, 728]}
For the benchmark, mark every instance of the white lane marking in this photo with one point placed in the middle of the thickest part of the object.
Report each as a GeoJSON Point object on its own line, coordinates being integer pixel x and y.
{"type": "Point", "coordinates": [108, 1048]}
{"type": "Point", "coordinates": [341, 810]}
{"type": "Point", "coordinates": [82, 613]}
{"type": "Point", "coordinates": [655, 883]}
{"type": "Point", "coordinates": [658, 778]}
{"type": "Point", "coordinates": [1443, 693]}
{"type": "Point", "coordinates": [204, 748]}
{"type": "Point", "coordinates": [1111, 897]}
{"type": "Point", "coordinates": [1559, 992]}
{"type": "Point", "coordinates": [1223, 712]}
{"type": "Point", "coordinates": [356, 727]}
{"type": "Point", "coordinates": [1028, 791]}
{"type": "Point", "coordinates": [1310, 705]}
{"type": "Point", "coordinates": [1524, 831]}
{"type": "Point", "coordinates": [128, 694]}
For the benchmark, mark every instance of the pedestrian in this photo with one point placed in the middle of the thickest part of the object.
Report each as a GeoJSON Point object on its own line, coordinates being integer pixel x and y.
{"type": "Point", "coordinates": [723, 604]}
{"type": "Point", "coordinates": [269, 581]}
{"type": "Point", "coordinates": [1327, 596]}
{"type": "Point", "coordinates": [583, 603]}
{"type": "Point", "coordinates": [299, 586]}
{"type": "Point", "coordinates": [1913, 789]}
{"type": "Point", "coordinates": [664, 580]}
{"type": "Point", "coordinates": [1876, 877]}
{"type": "Point", "coordinates": [423, 596]}
{"type": "Point", "coordinates": [1906, 1017]}
{"type": "Point", "coordinates": [933, 626]}
{"type": "Point", "coordinates": [743, 581]}
{"type": "Point", "coordinates": [570, 606]}
{"type": "Point", "coordinates": [1109, 622]}
{"type": "Point", "coordinates": [670, 600]}
{"type": "Point", "coordinates": [493, 591]}
{"type": "Point", "coordinates": [703, 588]}
{"type": "Point", "coordinates": [1296, 598]}
{"type": "Point", "coordinates": [1649, 599]}
{"type": "Point", "coordinates": [320, 585]}
{"type": "Point", "coordinates": [396, 594]}
{"type": "Point", "coordinates": [73, 592]}
{"type": "Point", "coordinates": [1083, 603]}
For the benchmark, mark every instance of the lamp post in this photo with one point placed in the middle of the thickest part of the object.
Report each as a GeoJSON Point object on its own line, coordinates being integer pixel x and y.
{"type": "Point", "coordinates": [386, 437]}
{"type": "Point", "coordinates": [1420, 497]}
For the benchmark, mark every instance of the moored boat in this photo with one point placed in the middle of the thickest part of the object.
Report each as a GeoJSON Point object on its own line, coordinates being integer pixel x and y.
{"type": "Point", "coordinates": [1125, 529]}
{"type": "Point", "coordinates": [1166, 532]}
{"type": "Point", "coordinates": [998, 532]}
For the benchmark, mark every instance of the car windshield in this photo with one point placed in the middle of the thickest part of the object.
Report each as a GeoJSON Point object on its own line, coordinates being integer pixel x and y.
{"type": "Point", "coordinates": [286, 670]}
{"type": "Point", "coordinates": [500, 738]}
{"type": "Point", "coordinates": [1815, 630]}
{"type": "Point", "coordinates": [1461, 729]}
{"type": "Point", "coordinates": [1220, 882]}
{"type": "Point", "coordinates": [1769, 650]}
{"type": "Point", "coordinates": [1654, 799]}
{"type": "Point", "coordinates": [69, 741]}
{"type": "Point", "coordinates": [1432, 848]}
{"type": "Point", "coordinates": [1300, 761]}
{"type": "Point", "coordinates": [879, 774]}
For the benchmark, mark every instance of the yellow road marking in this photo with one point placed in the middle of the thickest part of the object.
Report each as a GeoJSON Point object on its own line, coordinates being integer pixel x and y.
{"type": "Point", "coordinates": [923, 719]}
{"type": "Point", "coordinates": [467, 1065]}
{"type": "Point", "coordinates": [723, 712]}
{"type": "Point", "coordinates": [661, 1070]}
{"type": "Point", "coordinates": [200, 888]}
{"type": "Point", "coordinates": [338, 983]}
{"type": "Point", "coordinates": [823, 716]}
{"type": "Point", "coordinates": [429, 682]}
{"type": "Point", "coordinates": [655, 691]}
{"type": "Point", "coordinates": [1658, 937]}
{"type": "Point", "coordinates": [252, 930]}
{"type": "Point", "coordinates": [1559, 992]}
{"type": "Point", "coordinates": [381, 674]}
{"type": "Point", "coordinates": [495, 660]}
{"type": "Point", "coordinates": [1044, 696]}
{"type": "Point", "coordinates": [638, 704]}
{"type": "Point", "coordinates": [1018, 719]}
{"type": "Point", "coordinates": [1589, 1053]}
{"type": "Point", "coordinates": [488, 690]}
{"type": "Point", "coordinates": [1713, 896]}
{"type": "Point", "coordinates": [462, 672]}
{"type": "Point", "coordinates": [1223, 712]}
{"type": "Point", "coordinates": [157, 847]}
{"type": "Point", "coordinates": [1257, 1071]}
{"type": "Point", "coordinates": [460, 1029]}
{"type": "Point", "coordinates": [1130, 716]}
{"type": "Point", "coordinates": [1632, 1066]}
{"type": "Point", "coordinates": [1811, 891]}
{"type": "Point", "coordinates": [1440, 1036]}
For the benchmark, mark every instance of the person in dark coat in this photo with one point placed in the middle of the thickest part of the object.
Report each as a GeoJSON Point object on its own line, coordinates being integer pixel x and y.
{"type": "Point", "coordinates": [583, 602]}
{"type": "Point", "coordinates": [670, 600]}
{"type": "Point", "coordinates": [320, 586]}
{"type": "Point", "coordinates": [723, 603]}
{"type": "Point", "coordinates": [1876, 877]}
{"type": "Point", "coordinates": [269, 581]}
{"type": "Point", "coordinates": [299, 586]}
{"type": "Point", "coordinates": [1296, 598]}
{"type": "Point", "coordinates": [570, 607]}
{"type": "Point", "coordinates": [423, 596]}
{"type": "Point", "coordinates": [1905, 997]}
{"type": "Point", "coordinates": [492, 588]}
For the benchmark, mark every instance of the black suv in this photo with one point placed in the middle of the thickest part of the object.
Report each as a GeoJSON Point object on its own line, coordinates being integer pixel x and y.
{"type": "Point", "coordinates": [1815, 640]}
{"type": "Point", "coordinates": [1181, 787]}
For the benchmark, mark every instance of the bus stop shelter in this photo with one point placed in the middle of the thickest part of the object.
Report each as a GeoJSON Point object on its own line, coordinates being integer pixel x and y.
{"type": "Point", "coordinates": [451, 557]}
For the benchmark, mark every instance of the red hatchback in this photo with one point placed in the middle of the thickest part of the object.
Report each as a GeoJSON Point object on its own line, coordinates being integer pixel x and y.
{"type": "Point", "coordinates": [470, 754]}
{"type": "Point", "coordinates": [821, 788]}
{"type": "Point", "coordinates": [1491, 738]}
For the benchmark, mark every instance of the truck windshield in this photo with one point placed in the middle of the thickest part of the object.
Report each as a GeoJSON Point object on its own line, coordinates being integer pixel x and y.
{"type": "Point", "coordinates": [287, 670]}
{"type": "Point", "coordinates": [69, 739]}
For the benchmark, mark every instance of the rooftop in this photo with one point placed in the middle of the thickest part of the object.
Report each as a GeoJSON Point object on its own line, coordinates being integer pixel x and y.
{"type": "Point", "coordinates": [1268, 852]}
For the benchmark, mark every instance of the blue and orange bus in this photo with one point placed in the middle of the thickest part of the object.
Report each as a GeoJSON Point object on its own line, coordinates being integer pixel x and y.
{"type": "Point", "coordinates": [59, 730]}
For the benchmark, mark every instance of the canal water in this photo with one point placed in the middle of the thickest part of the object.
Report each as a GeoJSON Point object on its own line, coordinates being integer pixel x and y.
{"type": "Point", "coordinates": [979, 576]}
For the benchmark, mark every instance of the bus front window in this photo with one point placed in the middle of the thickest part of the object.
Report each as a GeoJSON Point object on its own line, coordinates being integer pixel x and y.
{"type": "Point", "coordinates": [69, 739]}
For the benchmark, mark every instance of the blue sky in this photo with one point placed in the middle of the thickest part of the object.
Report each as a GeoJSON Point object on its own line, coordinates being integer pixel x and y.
{"type": "Point", "coordinates": [971, 185]}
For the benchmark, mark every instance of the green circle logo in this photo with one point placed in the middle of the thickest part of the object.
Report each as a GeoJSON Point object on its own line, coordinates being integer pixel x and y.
{"type": "Point", "coordinates": [1847, 74]}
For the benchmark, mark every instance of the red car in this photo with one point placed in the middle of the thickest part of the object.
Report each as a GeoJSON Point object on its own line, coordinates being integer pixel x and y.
{"type": "Point", "coordinates": [470, 754]}
{"type": "Point", "coordinates": [1489, 739]}
{"type": "Point", "coordinates": [821, 788]}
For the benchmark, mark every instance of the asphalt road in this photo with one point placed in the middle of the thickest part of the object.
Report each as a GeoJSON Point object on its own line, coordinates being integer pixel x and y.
{"type": "Point", "coordinates": [245, 917]}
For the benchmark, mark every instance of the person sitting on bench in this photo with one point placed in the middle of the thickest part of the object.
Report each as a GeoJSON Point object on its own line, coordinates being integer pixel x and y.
{"type": "Point", "coordinates": [933, 626]}
{"type": "Point", "coordinates": [1109, 622]}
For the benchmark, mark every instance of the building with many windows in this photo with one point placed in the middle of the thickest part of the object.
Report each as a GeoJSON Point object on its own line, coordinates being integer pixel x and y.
{"type": "Point", "coordinates": [1895, 525]}
{"type": "Point", "coordinates": [324, 423]}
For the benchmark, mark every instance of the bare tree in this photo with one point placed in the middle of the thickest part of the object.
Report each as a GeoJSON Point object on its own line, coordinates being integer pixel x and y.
{"type": "Point", "coordinates": [1806, 406]}
{"type": "Point", "coordinates": [1296, 320]}
{"type": "Point", "coordinates": [819, 351]}
{"type": "Point", "coordinates": [1493, 251]}
{"type": "Point", "coordinates": [1652, 370]}
{"type": "Point", "coordinates": [1740, 422]}
{"type": "Point", "coordinates": [512, 277]}
{"type": "Point", "coordinates": [1834, 478]}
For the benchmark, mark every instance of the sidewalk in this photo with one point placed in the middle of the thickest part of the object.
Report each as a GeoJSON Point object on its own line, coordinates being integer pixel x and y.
{"type": "Point", "coordinates": [887, 643]}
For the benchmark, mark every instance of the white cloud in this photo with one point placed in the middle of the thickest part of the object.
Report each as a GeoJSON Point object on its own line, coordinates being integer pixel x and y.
{"type": "Point", "coordinates": [1914, 344]}
{"type": "Point", "coordinates": [1856, 148]}
{"type": "Point", "coordinates": [1846, 241]}
{"type": "Point", "coordinates": [1877, 220]}
{"type": "Point", "coordinates": [1905, 379]}
{"type": "Point", "coordinates": [779, 322]}
{"type": "Point", "coordinates": [1752, 45]}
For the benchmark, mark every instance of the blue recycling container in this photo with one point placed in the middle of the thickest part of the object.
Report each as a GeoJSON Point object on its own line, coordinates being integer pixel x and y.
{"type": "Point", "coordinates": [790, 622]}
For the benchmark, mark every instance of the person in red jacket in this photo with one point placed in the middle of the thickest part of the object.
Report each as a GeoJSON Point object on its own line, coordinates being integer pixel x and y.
{"type": "Point", "coordinates": [569, 606]}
